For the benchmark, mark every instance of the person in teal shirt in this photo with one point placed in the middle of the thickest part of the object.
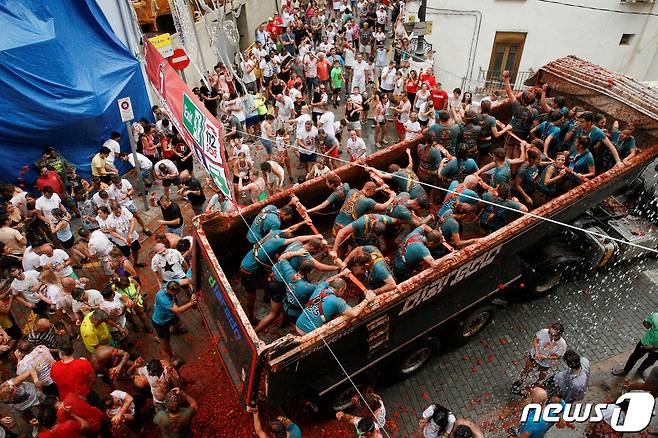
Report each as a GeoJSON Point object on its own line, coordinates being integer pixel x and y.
{"type": "Point", "coordinates": [648, 346]}
{"type": "Point", "coordinates": [582, 162]}
{"type": "Point", "coordinates": [537, 428]}
{"type": "Point", "coordinates": [586, 126]}
{"type": "Point", "coordinates": [414, 251]}
{"type": "Point", "coordinates": [338, 195]}
{"type": "Point", "coordinates": [444, 134]}
{"type": "Point", "coordinates": [460, 166]}
{"type": "Point", "coordinates": [624, 143]}
{"type": "Point", "coordinates": [549, 133]}
{"type": "Point", "coordinates": [500, 168]}
{"type": "Point", "coordinates": [326, 304]}
{"type": "Point", "coordinates": [403, 180]}
{"type": "Point", "coordinates": [451, 230]}
{"type": "Point", "coordinates": [493, 217]}
{"type": "Point", "coordinates": [368, 262]}
{"type": "Point", "coordinates": [525, 183]}
{"type": "Point", "coordinates": [269, 218]}
{"type": "Point", "coordinates": [359, 202]}
{"type": "Point", "coordinates": [462, 192]}
{"type": "Point", "coordinates": [366, 230]}
{"type": "Point", "coordinates": [282, 426]}
{"type": "Point", "coordinates": [429, 159]}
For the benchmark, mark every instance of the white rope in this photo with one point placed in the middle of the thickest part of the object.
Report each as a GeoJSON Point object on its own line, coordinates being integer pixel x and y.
{"type": "Point", "coordinates": [533, 215]}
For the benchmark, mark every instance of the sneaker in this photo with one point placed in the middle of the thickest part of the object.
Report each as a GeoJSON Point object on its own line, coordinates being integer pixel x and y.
{"type": "Point", "coordinates": [618, 372]}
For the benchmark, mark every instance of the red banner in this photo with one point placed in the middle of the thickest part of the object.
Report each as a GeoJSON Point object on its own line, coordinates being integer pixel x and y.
{"type": "Point", "coordinates": [199, 128]}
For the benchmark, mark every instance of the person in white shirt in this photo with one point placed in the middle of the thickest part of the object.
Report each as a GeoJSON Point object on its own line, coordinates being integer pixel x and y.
{"type": "Point", "coordinates": [45, 204]}
{"type": "Point", "coordinates": [318, 169]}
{"type": "Point", "coordinates": [359, 71]}
{"type": "Point", "coordinates": [274, 175]}
{"type": "Point", "coordinates": [388, 78]}
{"type": "Point", "coordinates": [285, 109]}
{"type": "Point", "coordinates": [122, 191]}
{"type": "Point", "coordinates": [163, 127]}
{"type": "Point", "coordinates": [98, 246]}
{"type": "Point", "coordinates": [138, 128]}
{"type": "Point", "coordinates": [25, 287]}
{"type": "Point", "coordinates": [307, 142]}
{"type": "Point", "coordinates": [119, 407]}
{"type": "Point", "coordinates": [356, 147]}
{"type": "Point", "coordinates": [38, 358]}
{"type": "Point", "coordinates": [403, 110]}
{"type": "Point", "coordinates": [121, 224]}
{"type": "Point", "coordinates": [31, 260]}
{"type": "Point", "coordinates": [101, 199]}
{"type": "Point", "coordinates": [326, 122]}
{"type": "Point", "coordinates": [437, 421]}
{"type": "Point", "coordinates": [113, 145]}
{"type": "Point", "coordinates": [412, 127]}
{"type": "Point", "coordinates": [301, 120]}
{"type": "Point", "coordinates": [169, 265]}
{"type": "Point", "coordinates": [56, 260]}
{"type": "Point", "coordinates": [145, 165]}
{"type": "Point", "coordinates": [166, 171]}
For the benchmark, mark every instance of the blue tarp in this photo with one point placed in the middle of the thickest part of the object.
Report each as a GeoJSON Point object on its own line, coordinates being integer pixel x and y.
{"type": "Point", "coordinates": [62, 69]}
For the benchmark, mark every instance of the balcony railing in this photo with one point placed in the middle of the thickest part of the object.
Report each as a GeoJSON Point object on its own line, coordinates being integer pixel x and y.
{"type": "Point", "coordinates": [491, 80]}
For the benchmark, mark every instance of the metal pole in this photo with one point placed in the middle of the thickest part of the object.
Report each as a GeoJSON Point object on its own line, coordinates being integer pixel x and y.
{"type": "Point", "coordinates": [420, 45]}
{"type": "Point", "coordinates": [138, 169]}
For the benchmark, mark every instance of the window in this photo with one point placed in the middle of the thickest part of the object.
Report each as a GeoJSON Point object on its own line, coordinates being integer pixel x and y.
{"type": "Point", "coordinates": [506, 54]}
{"type": "Point", "coordinates": [626, 39]}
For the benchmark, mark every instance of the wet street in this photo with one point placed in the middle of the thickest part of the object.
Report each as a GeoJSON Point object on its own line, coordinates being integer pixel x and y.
{"type": "Point", "coordinates": [602, 315]}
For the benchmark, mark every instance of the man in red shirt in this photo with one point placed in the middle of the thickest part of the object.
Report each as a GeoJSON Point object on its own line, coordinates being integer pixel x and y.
{"type": "Point", "coordinates": [71, 375]}
{"type": "Point", "coordinates": [439, 97]}
{"type": "Point", "coordinates": [428, 77]}
{"type": "Point", "coordinates": [52, 179]}
{"type": "Point", "coordinates": [272, 29]}
{"type": "Point", "coordinates": [278, 22]}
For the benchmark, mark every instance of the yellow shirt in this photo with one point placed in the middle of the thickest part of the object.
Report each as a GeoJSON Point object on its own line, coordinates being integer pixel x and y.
{"type": "Point", "coordinates": [93, 336]}
{"type": "Point", "coordinates": [98, 165]}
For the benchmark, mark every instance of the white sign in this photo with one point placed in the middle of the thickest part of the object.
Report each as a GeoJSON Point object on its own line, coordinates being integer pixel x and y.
{"type": "Point", "coordinates": [636, 418]}
{"type": "Point", "coordinates": [126, 109]}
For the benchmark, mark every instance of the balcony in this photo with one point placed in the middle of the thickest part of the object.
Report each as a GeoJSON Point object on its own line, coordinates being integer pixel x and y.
{"type": "Point", "coordinates": [491, 80]}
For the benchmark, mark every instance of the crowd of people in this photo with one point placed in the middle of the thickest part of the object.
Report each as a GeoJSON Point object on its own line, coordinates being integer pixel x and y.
{"type": "Point", "coordinates": [320, 87]}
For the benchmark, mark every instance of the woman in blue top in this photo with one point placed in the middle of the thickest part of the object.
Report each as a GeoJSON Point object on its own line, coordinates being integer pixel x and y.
{"type": "Point", "coordinates": [501, 167]}
{"type": "Point", "coordinates": [582, 162]}
{"type": "Point", "coordinates": [553, 175]}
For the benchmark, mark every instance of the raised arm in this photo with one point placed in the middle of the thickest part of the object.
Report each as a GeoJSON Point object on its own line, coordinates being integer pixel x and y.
{"type": "Point", "coordinates": [508, 87]}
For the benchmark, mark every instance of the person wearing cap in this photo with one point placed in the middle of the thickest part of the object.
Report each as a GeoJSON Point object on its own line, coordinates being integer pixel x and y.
{"type": "Point", "coordinates": [363, 426]}
{"type": "Point", "coordinates": [176, 420]}
{"type": "Point", "coordinates": [271, 28]}
{"type": "Point", "coordinates": [165, 315]}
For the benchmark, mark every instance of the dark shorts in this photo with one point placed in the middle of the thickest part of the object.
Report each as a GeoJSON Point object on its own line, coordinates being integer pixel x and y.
{"type": "Point", "coordinates": [308, 158]}
{"type": "Point", "coordinates": [68, 244]}
{"type": "Point", "coordinates": [127, 250]}
{"type": "Point", "coordinates": [14, 331]}
{"type": "Point", "coordinates": [277, 291]}
{"type": "Point", "coordinates": [336, 91]}
{"type": "Point", "coordinates": [163, 331]}
{"type": "Point", "coordinates": [423, 123]}
{"type": "Point", "coordinates": [169, 181]}
{"type": "Point", "coordinates": [251, 121]}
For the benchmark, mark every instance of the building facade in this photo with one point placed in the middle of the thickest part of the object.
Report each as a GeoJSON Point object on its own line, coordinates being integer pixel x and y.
{"type": "Point", "coordinates": [475, 40]}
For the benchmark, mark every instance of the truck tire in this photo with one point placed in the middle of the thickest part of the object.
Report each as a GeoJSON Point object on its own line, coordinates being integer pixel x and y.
{"type": "Point", "coordinates": [413, 358]}
{"type": "Point", "coordinates": [474, 323]}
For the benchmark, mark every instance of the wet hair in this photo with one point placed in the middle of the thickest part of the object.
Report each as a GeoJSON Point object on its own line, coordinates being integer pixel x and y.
{"type": "Point", "coordinates": [279, 429]}
{"type": "Point", "coordinates": [587, 116]}
{"type": "Point", "coordinates": [434, 237]}
{"type": "Point", "coordinates": [599, 117]}
{"type": "Point", "coordinates": [24, 346]}
{"type": "Point", "coordinates": [65, 347]}
{"type": "Point", "coordinates": [48, 415]}
{"type": "Point", "coordinates": [393, 168]}
{"type": "Point", "coordinates": [538, 143]}
{"type": "Point", "coordinates": [108, 401]}
{"type": "Point", "coordinates": [77, 293]}
{"type": "Point", "coordinates": [98, 315]}
{"type": "Point", "coordinates": [557, 327]}
{"type": "Point", "coordinates": [555, 115]}
{"type": "Point", "coordinates": [47, 190]}
{"type": "Point", "coordinates": [83, 232]}
{"type": "Point", "coordinates": [154, 368]}
{"type": "Point", "coordinates": [337, 284]}
{"type": "Point", "coordinates": [265, 166]}
{"type": "Point", "coordinates": [104, 209]}
{"type": "Point", "coordinates": [365, 425]}
{"type": "Point", "coordinates": [115, 135]}
{"type": "Point", "coordinates": [183, 245]}
{"type": "Point", "coordinates": [441, 417]}
{"type": "Point", "coordinates": [503, 190]}
{"type": "Point", "coordinates": [559, 101]}
{"type": "Point", "coordinates": [584, 141]}
{"type": "Point", "coordinates": [533, 153]}
{"type": "Point", "coordinates": [306, 267]}
{"type": "Point", "coordinates": [360, 260]}
{"type": "Point", "coordinates": [572, 359]}
{"type": "Point", "coordinates": [462, 151]}
{"type": "Point", "coordinates": [527, 98]}
{"type": "Point", "coordinates": [485, 106]}
{"type": "Point", "coordinates": [287, 210]}
{"type": "Point", "coordinates": [107, 291]}
{"type": "Point", "coordinates": [499, 154]}
{"type": "Point", "coordinates": [470, 116]}
{"type": "Point", "coordinates": [4, 218]}
{"type": "Point", "coordinates": [444, 116]}
{"type": "Point", "coordinates": [457, 90]}
{"type": "Point", "coordinates": [462, 431]}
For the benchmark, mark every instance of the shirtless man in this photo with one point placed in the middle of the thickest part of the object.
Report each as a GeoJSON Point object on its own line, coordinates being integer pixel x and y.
{"type": "Point", "coordinates": [257, 187]}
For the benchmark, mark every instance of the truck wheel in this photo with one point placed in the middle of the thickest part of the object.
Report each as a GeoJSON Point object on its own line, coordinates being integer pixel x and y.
{"type": "Point", "coordinates": [547, 280]}
{"type": "Point", "coordinates": [415, 357]}
{"type": "Point", "coordinates": [475, 322]}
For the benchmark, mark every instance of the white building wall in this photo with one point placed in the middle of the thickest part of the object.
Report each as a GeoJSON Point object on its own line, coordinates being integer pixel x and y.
{"type": "Point", "coordinates": [463, 29]}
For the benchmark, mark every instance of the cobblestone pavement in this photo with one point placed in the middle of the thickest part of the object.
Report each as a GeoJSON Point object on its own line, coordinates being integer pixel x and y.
{"type": "Point", "coordinates": [602, 315]}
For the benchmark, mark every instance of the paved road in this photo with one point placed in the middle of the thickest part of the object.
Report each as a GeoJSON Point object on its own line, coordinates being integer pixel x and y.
{"type": "Point", "coordinates": [602, 315]}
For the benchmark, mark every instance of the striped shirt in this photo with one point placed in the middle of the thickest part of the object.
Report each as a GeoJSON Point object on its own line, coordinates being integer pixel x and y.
{"type": "Point", "coordinates": [46, 338]}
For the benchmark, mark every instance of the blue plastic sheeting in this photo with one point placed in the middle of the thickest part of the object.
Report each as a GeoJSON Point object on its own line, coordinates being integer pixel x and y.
{"type": "Point", "coordinates": [62, 69]}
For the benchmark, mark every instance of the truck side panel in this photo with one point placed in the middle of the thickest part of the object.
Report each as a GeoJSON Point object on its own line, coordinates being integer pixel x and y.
{"type": "Point", "coordinates": [232, 340]}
